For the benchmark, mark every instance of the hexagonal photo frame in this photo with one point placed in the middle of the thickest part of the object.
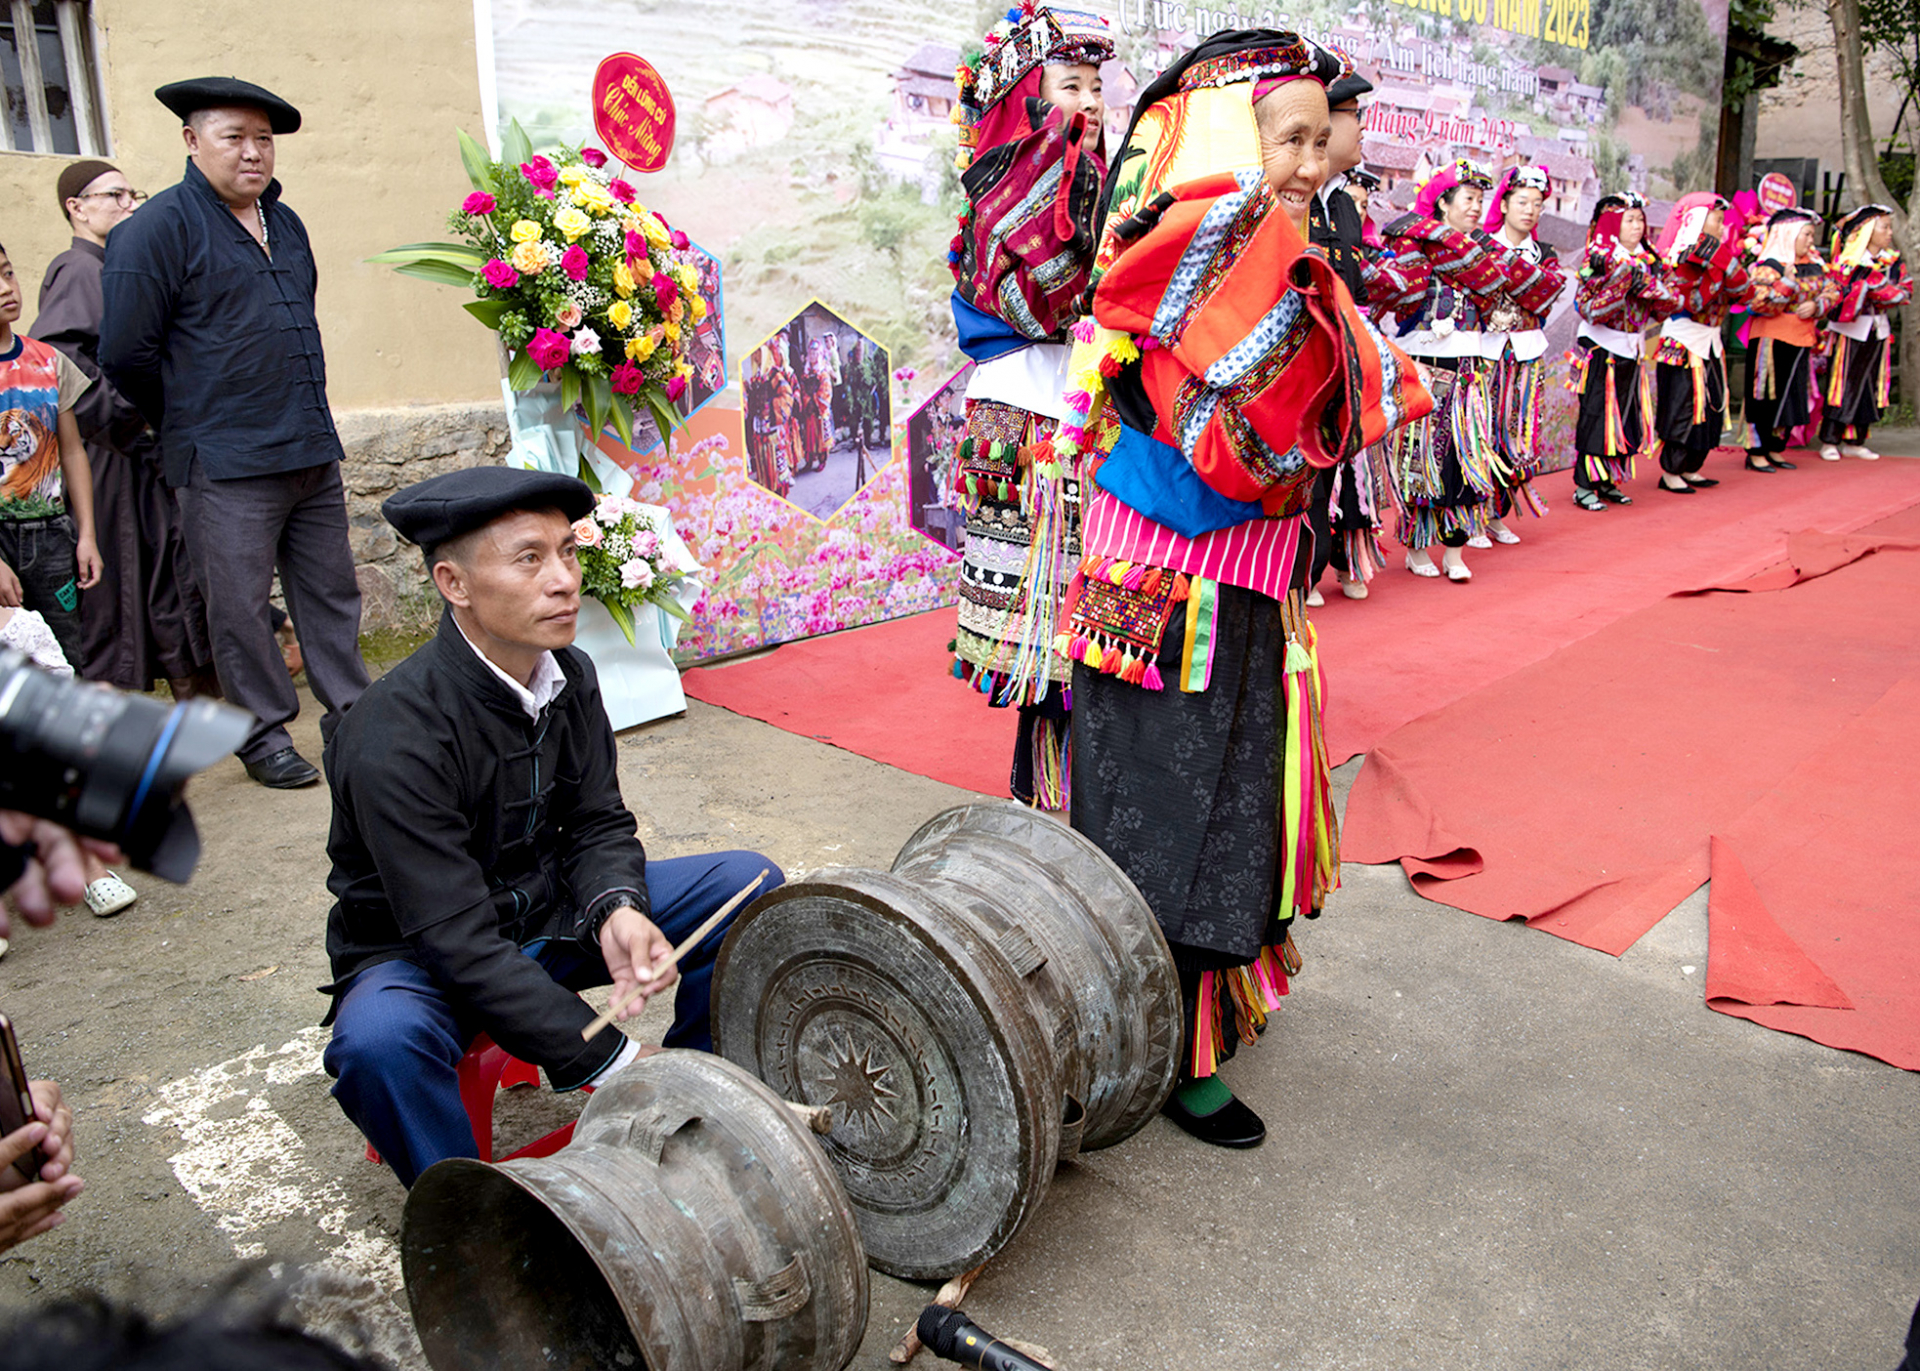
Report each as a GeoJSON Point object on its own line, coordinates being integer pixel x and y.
{"type": "Point", "coordinates": [818, 411]}
{"type": "Point", "coordinates": [707, 345]}
{"type": "Point", "coordinates": [934, 433]}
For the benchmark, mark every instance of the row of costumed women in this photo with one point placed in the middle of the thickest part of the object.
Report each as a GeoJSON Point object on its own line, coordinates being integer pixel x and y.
{"type": "Point", "coordinates": [1109, 543]}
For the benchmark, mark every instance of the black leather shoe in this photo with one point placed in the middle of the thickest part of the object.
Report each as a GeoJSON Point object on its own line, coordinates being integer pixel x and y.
{"type": "Point", "coordinates": [1682, 489]}
{"type": "Point", "coordinates": [1755, 466]}
{"type": "Point", "coordinates": [1231, 1125]}
{"type": "Point", "coordinates": [1613, 495]}
{"type": "Point", "coordinates": [284, 770]}
{"type": "Point", "coordinates": [1782, 462]}
{"type": "Point", "coordinates": [1700, 482]}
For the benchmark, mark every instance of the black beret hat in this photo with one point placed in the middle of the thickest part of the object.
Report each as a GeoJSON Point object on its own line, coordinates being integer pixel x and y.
{"type": "Point", "coordinates": [1348, 85]}
{"type": "Point", "coordinates": [219, 92]}
{"type": "Point", "coordinates": [439, 508]}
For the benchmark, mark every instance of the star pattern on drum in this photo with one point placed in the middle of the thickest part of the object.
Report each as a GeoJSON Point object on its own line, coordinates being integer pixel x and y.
{"type": "Point", "coordinates": [859, 1084]}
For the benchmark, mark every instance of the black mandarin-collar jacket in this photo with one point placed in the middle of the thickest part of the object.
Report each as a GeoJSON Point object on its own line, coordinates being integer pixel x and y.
{"type": "Point", "coordinates": [215, 342]}
{"type": "Point", "coordinates": [463, 830]}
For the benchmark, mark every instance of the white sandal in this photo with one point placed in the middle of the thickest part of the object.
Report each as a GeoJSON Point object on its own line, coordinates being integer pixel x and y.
{"type": "Point", "coordinates": [1481, 540]}
{"type": "Point", "coordinates": [1865, 454]}
{"type": "Point", "coordinates": [109, 895]}
{"type": "Point", "coordinates": [1829, 453]}
{"type": "Point", "coordinates": [1426, 568]}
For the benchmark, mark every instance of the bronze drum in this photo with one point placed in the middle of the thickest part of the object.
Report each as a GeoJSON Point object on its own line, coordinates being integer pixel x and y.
{"type": "Point", "coordinates": [693, 1224]}
{"type": "Point", "coordinates": [1000, 1000]}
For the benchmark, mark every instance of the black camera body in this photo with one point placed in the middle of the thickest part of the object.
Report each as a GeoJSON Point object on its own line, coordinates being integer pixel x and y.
{"type": "Point", "coordinates": [108, 764]}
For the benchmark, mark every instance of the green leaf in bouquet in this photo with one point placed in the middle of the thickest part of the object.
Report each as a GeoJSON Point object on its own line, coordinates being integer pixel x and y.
{"type": "Point", "coordinates": [523, 373]}
{"type": "Point", "coordinates": [621, 616]}
{"type": "Point", "coordinates": [665, 416]}
{"type": "Point", "coordinates": [515, 146]}
{"type": "Point", "coordinates": [569, 387]}
{"type": "Point", "coordinates": [592, 480]}
{"type": "Point", "coordinates": [622, 418]}
{"type": "Point", "coordinates": [440, 273]}
{"type": "Point", "coordinates": [668, 605]}
{"type": "Point", "coordinates": [599, 399]}
{"type": "Point", "coordinates": [487, 312]}
{"type": "Point", "coordinates": [452, 254]}
{"type": "Point", "coordinates": [478, 163]}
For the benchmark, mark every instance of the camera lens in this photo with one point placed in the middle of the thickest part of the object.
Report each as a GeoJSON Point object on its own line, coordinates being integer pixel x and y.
{"type": "Point", "coordinates": [108, 764]}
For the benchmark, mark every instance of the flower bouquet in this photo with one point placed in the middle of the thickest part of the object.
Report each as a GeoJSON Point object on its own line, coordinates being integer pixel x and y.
{"type": "Point", "coordinates": [624, 562]}
{"type": "Point", "coordinates": [575, 275]}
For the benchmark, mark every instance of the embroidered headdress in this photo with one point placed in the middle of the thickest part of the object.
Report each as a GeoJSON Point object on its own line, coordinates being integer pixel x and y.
{"type": "Point", "coordinates": [1783, 232]}
{"type": "Point", "coordinates": [1688, 221]}
{"type": "Point", "coordinates": [1853, 237]}
{"type": "Point", "coordinates": [1512, 179]}
{"type": "Point", "coordinates": [1009, 60]}
{"type": "Point", "coordinates": [1460, 173]}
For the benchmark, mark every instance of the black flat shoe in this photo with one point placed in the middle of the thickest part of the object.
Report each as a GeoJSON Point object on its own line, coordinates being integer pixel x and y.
{"type": "Point", "coordinates": [1586, 499]}
{"type": "Point", "coordinates": [1231, 1125]}
{"type": "Point", "coordinates": [1676, 490]}
{"type": "Point", "coordinates": [1700, 482]}
{"type": "Point", "coordinates": [284, 770]}
{"type": "Point", "coordinates": [1613, 495]}
{"type": "Point", "coordinates": [1781, 462]}
{"type": "Point", "coordinates": [1755, 466]}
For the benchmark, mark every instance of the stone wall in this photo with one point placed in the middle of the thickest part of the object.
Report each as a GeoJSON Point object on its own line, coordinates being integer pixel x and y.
{"type": "Point", "coordinates": [390, 448]}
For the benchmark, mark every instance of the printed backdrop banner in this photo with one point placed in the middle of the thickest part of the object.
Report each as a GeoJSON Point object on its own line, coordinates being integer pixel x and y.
{"type": "Point", "coordinates": [812, 164]}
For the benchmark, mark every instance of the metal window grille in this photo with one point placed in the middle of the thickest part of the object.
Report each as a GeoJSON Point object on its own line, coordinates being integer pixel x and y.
{"type": "Point", "coordinates": [47, 64]}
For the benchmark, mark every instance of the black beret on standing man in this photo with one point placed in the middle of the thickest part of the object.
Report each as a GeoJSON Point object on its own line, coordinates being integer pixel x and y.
{"type": "Point", "coordinates": [209, 330]}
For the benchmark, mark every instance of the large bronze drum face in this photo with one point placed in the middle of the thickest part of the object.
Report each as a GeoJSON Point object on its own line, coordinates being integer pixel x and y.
{"type": "Point", "coordinates": [999, 1000]}
{"type": "Point", "coordinates": [693, 1224]}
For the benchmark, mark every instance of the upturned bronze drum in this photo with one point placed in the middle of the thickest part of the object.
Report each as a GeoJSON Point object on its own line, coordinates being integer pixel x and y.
{"type": "Point", "coordinates": [999, 1000]}
{"type": "Point", "coordinates": [693, 1224]}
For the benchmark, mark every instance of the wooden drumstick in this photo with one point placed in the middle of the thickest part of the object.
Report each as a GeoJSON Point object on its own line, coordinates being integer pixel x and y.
{"type": "Point", "coordinates": [656, 972]}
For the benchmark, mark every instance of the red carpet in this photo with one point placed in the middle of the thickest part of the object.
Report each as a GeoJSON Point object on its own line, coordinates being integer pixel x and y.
{"type": "Point", "coordinates": [1767, 738]}
{"type": "Point", "coordinates": [1411, 647]}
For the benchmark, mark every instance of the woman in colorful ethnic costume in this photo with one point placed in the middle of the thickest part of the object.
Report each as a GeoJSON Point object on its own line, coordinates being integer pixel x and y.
{"type": "Point", "coordinates": [1705, 269]}
{"type": "Point", "coordinates": [816, 407]}
{"type": "Point", "coordinates": [1228, 365]}
{"type": "Point", "coordinates": [1515, 340]}
{"type": "Point", "coordinates": [1032, 162]}
{"type": "Point", "coordinates": [1622, 287]}
{"type": "Point", "coordinates": [1447, 468]}
{"type": "Point", "coordinates": [1792, 293]}
{"type": "Point", "coordinates": [1872, 279]}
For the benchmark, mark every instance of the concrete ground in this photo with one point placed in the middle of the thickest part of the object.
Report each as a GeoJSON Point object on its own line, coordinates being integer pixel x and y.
{"type": "Point", "coordinates": [1489, 1148]}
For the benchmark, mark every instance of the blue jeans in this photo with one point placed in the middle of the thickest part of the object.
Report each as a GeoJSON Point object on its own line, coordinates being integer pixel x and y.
{"type": "Point", "coordinates": [398, 1040]}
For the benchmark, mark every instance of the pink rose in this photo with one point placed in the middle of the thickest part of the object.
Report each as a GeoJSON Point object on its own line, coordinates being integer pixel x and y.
{"type": "Point", "coordinates": [568, 316]}
{"type": "Point", "coordinates": [680, 240]}
{"type": "Point", "coordinates": [593, 157]}
{"type": "Point", "coordinates": [621, 191]}
{"type": "Point", "coordinates": [540, 174]}
{"type": "Point", "coordinates": [477, 203]}
{"type": "Point", "coordinates": [626, 379]}
{"type": "Point", "coordinates": [636, 575]}
{"type": "Point", "coordinates": [676, 387]}
{"type": "Point", "coordinates": [500, 275]}
{"type": "Point", "coordinates": [636, 246]}
{"type": "Point", "coordinates": [666, 290]}
{"type": "Point", "coordinates": [549, 349]}
{"type": "Point", "coordinates": [587, 533]}
{"type": "Point", "coordinates": [574, 262]}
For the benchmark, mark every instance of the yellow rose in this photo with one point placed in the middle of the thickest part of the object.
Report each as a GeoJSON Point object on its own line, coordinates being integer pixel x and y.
{"type": "Point", "coordinates": [641, 348]}
{"type": "Point", "coordinates": [622, 280]}
{"type": "Point", "coordinates": [524, 231]}
{"type": "Point", "coordinates": [620, 315]}
{"type": "Point", "coordinates": [656, 232]}
{"type": "Point", "coordinates": [530, 259]}
{"type": "Point", "coordinates": [594, 196]}
{"type": "Point", "coordinates": [572, 223]}
{"type": "Point", "coordinates": [688, 278]}
{"type": "Point", "coordinates": [699, 309]}
{"type": "Point", "coordinates": [684, 370]}
{"type": "Point", "coordinates": [672, 331]}
{"type": "Point", "coordinates": [572, 174]}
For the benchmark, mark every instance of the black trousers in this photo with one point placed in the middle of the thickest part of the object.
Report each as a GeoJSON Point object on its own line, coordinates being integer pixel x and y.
{"type": "Point", "coordinates": [41, 553]}
{"type": "Point", "coordinates": [239, 533]}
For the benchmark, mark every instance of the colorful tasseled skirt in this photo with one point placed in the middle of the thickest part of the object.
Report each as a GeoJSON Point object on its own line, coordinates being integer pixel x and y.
{"type": "Point", "coordinates": [1447, 466]}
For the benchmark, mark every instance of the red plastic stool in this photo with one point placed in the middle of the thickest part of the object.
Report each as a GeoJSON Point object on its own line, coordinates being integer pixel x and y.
{"type": "Point", "coordinates": [487, 1069]}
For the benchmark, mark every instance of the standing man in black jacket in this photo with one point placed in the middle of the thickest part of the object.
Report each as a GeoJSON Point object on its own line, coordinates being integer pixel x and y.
{"type": "Point", "coordinates": [1334, 226]}
{"type": "Point", "coordinates": [209, 329]}
{"type": "Point", "coordinates": [485, 868]}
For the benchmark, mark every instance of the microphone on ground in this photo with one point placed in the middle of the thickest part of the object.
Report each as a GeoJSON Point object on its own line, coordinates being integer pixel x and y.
{"type": "Point", "coordinates": [951, 1335]}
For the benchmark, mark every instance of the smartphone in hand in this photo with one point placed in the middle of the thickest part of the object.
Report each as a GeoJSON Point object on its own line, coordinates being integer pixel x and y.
{"type": "Point", "coordinates": [16, 1100]}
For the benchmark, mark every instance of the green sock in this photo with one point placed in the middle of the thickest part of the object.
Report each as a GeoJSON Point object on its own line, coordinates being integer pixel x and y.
{"type": "Point", "coordinates": [1206, 1095]}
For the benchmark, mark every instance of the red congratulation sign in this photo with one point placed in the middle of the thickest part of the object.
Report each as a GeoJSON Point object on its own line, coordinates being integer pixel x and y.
{"type": "Point", "coordinates": [1776, 193]}
{"type": "Point", "coordinates": [633, 112]}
